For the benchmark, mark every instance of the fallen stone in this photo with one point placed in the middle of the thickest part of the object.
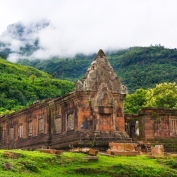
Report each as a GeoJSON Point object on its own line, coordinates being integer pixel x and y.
{"type": "Point", "coordinates": [122, 147]}
{"type": "Point", "coordinates": [108, 151]}
{"type": "Point", "coordinates": [117, 147]}
{"type": "Point", "coordinates": [129, 147]}
{"type": "Point", "coordinates": [157, 150]}
{"type": "Point", "coordinates": [93, 152]}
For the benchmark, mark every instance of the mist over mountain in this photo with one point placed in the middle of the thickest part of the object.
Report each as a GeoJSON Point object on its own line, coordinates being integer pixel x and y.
{"type": "Point", "coordinates": [43, 40]}
{"type": "Point", "coordinates": [21, 40]}
{"type": "Point", "coordinates": [53, 50]}
{"type": "Point", "coordinates": [21, 31]}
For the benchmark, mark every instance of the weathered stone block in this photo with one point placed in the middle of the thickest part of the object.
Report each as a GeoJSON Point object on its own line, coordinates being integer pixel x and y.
{"type": "Point", "coordinates": [108, 151]}
{"type": "Point", "coordinates": [129, 147]}
{"type": "Point", "coordinates": [157, 150]}
{"type": "Point", "coordinates": [119, 147]}
{"type": "Point", "coordinates": [93, 152]}
{"type": "Point", "coordinates": [122, 147]}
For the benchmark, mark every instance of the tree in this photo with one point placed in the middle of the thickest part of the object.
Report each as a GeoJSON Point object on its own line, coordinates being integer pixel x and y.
{"type": "Point", "coordinates": [163, 95]}
{"type": "Point", "coordinates": [134, 102]}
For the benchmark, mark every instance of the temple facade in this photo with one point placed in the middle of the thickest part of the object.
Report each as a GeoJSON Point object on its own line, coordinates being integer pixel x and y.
{"type": "Point", "coordinates": [92, 115]}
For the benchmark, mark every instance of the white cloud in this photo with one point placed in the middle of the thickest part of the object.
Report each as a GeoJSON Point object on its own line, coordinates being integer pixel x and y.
{"type": "Point", "coordinates": [13, 57]}
{"type": "Point", "coordinates": [88, 25]}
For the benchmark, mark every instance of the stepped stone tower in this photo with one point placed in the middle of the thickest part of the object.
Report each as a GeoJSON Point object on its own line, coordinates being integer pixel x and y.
{"type": "Point", "coordinates": [105, 94]}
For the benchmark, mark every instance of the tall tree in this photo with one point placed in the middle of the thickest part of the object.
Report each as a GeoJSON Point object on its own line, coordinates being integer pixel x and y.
{"type": "Point", "coordinates": [163, 95]}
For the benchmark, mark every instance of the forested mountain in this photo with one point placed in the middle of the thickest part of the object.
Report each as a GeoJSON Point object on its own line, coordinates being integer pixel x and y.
{"type": "Point", "coordinates": [137, 67]}
{"type": "Point", "coordinates": [22, 85]}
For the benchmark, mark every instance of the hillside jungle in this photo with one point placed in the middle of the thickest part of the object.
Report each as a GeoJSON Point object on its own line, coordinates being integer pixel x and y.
{"type": "Point", "coordinates": [21, 85]}
{"type": "Point", "coordinates": [150, 73]}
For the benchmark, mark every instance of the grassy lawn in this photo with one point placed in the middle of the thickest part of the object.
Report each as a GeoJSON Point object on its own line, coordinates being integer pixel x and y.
{"type": "Point", "coordinates": [35, 164]}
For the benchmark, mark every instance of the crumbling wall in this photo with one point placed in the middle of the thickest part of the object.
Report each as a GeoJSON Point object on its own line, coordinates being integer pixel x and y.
{"type": "Point", "coordinates": [156, 125]}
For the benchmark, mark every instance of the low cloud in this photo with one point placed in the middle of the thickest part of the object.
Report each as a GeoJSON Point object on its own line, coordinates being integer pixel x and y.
{"type": "Point", "coordinates": [86, 26]}
{"type": "Point", "coordinates": [13, 57]}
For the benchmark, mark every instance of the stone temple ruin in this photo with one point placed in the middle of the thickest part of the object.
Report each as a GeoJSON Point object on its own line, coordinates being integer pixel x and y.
{"type": "Point", "coordinates": [91, 115]}
{"type": "Point", "coordinates": [154, 125]}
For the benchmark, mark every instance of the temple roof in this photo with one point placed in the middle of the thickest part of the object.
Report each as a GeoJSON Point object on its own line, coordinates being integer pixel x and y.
{"type": "Point", "coordinates": [99, 72]}
{"type": "Point", "coordinates": [100, 54]}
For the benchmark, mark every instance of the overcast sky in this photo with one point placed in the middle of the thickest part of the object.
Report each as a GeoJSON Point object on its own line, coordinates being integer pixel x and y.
{"type": "Point", "coordinates": [88, 25]}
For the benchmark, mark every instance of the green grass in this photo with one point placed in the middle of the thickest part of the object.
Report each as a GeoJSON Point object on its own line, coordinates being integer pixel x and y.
{"type": "Point", "coordinates": [35, 164]}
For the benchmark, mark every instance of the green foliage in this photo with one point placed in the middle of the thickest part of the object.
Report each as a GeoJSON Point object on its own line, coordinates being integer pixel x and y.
{"type": "Point", "coordinates": [135, 101]}
{"type": "Point", "coordinates": [163, 95]}
{"type": "Point", "coordinates": [20, 86]}
{"type": "Point", "coordinates": [137, 67]}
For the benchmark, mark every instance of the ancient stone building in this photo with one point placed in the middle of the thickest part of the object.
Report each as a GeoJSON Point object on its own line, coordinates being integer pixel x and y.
{"type": "Point", "coordinates": [91, 115]}
{"type": "Point", "coordinates": [155, 125]}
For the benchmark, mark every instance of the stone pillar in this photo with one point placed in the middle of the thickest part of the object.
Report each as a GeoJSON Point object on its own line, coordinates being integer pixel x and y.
{"type": "Point", "coordinates": [114, 118]}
